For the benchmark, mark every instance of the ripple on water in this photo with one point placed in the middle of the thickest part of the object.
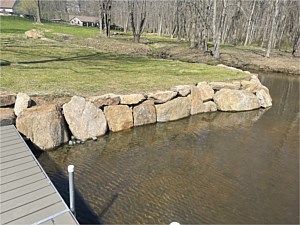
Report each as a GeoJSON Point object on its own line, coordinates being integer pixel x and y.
{"type": "Point", "coordinates": [209, 168]}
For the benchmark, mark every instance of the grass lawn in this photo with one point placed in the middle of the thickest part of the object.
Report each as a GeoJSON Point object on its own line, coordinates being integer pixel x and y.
{"type": "Point", "coordinates": [52, 67]}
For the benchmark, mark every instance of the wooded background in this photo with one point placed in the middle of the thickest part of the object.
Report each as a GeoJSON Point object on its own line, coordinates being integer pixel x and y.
{"type": "Point", "coordinates": [266, 23]}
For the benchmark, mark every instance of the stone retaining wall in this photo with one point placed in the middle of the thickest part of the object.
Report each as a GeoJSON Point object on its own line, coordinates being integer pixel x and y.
{"type": "Point", "coordinates": [49, 126]}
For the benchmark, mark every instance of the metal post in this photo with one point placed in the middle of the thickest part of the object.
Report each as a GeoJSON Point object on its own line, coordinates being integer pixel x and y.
{"type": "Point", "coordinates": [71, 188]}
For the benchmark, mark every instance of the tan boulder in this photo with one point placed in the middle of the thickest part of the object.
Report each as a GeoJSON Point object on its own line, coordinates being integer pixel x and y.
{"type": "Point", "coordinates": [23, 101]}
{"type": "Point", "coordinates": [253, 85]}
{"type": "Point", "coordinates": [235, 100]}
{"type": "Point", "coordinates": [7, 116]}
{"type": "Point", "coordinates": [196, 100]}
{"type": "Point", "coordinates": [43, 125]}
{"type": "Point", "coordinates": [144, 113]}
{"type": "Point", "coordinates": [119, 117]}
{"type": "Point", "coordinates": [162, 96]}
{"type": "Point", "coordinates": [209, 106]}
{"type": "Point", "coordinates": [7, 100]}
{"type": "Point", "coordinates": [34, 34]}
{"type": "Point", "coordinates": [85, 120]}
{"type": "Point", "coordinates": [264, 97]}
{"type": "Point", "coordinates": [183, 90]}
{"type": "Point", "coordinates": [105, 100]}
{"type": "Point", "coordinates": [131, 99]}
{"type": "Point", "coordinates": [174, 109]}
{"type": "Point", "coordinates": [206, 91]}
{"type": "Point", "coordinates": [235, 85]}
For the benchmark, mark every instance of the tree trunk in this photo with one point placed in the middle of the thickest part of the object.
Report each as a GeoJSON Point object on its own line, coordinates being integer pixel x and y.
{"type": "Point", "coordinates": [216, 52]}
{"type": "Point", "coordinates": [126, 24]}
{"type": "Point", "coordinates": [296, 44]}
{"type": "Point", "coordinates": [38, 12]}
{"type": "Point", "coordinates": [160, 25]}
{"type": "Point", "coordinates": [214, 21]}
{"type": "Point", "coordinates": [272, 30]}
{"type": "Point", "coordinates": [249, 23]}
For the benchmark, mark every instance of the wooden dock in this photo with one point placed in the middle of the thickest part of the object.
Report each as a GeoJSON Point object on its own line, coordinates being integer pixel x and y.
{"type": "Point", "coordinates": [27, 196]}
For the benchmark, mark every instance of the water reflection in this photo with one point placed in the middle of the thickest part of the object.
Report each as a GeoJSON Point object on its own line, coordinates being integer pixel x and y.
{"type": "Point", "coordinates": [209, 168]}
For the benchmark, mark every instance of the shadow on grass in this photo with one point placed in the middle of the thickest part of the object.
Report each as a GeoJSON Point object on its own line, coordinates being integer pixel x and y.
{"type": "Point", "coordinates": [90, 57]}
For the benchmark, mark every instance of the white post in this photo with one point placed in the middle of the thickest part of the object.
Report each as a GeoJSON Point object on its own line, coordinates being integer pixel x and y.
{"type": "Point", "coordinates": [71, 188]}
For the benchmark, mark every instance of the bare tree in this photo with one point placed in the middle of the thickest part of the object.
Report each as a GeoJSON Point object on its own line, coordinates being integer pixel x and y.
{"type": "Point", "coordinates": [38, 12]}
{"type": "Point", "coordinates": [137, 15]}
{"type": "Point", "coordinates": [273, 27]}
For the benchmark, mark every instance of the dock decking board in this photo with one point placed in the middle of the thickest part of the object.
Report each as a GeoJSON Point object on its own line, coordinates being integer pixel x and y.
{"type": "Point", "coordinates": [27, 195]}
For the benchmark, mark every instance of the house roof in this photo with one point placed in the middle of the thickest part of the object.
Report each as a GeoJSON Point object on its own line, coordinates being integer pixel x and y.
{"type": "Point", "coordinates": [7, 4]}
{"type": "Point", "coordinates": [84, 18]}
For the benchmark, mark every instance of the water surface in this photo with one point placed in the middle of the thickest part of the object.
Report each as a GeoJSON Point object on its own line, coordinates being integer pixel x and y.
{"type": "Point", "coordinates": [231, 168]}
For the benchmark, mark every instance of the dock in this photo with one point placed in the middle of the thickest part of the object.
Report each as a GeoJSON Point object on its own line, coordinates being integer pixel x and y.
{"type": "Point", "coordinates": [27, 196]}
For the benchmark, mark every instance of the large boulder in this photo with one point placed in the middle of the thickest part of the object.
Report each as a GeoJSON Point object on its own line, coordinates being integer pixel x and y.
{"type": "Point", "coordinates": [235, 85]}
{"type": "Point", "coordinates": [206, 91]}
{"type": "Point", "coordinates": [85, 120]}
{"type": "Point", "coordinates": [183, 90]}
{"type": "Point", "coordinates": [119, 117]}
{"type": "Point", "coordinates": [264, 97]}
{"type": "Point", "coordinates": [235, 100]}
{"type": "Point", "coordinates": [144, 113]}
{"type": "Point", "coordinates": [196, 100]}
{"type": "Point", "coordinates": [23, 101]}
{"type": "Point", "coordinates": [209, 106]}
{"type": "Point", "coordinates": [162, 96]}
{"type": "Point", "coordinates": [7, 116]}
{"type": "Point", "coordinates": [253, 85]}
{"type": "Point", "coordinates": [7, 100]}
{"type": "Point", "coordinates": [43, 125]}
{"type": "Point", "coordinates": [105, 100]}
{"type": "Point", "coordinates": [132, 99]}
{"type": "Point", "coordinates": [173, 110]}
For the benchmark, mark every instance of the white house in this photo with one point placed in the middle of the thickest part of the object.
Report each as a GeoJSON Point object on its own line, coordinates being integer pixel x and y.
{"type": "Point", "coordinates": [7, 7]}
{"type": "Point", "coordinates": [88, 21]}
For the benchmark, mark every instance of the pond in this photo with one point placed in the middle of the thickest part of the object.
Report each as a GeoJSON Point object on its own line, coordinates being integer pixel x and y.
{"type": "Point", "coordinates": [229, 168]}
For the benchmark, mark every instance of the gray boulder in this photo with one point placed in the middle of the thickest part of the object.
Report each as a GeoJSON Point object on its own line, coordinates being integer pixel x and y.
{"type": "Point", "coordinates": [206, 91]}
{"type": "Point", "coordinates": [7, 100]}
{"type": "Point", "coordinates": [85, 120]}
{"type": "Point", "coordinates": [23, 101]}
{"type": "Point", "coordinates": [174, 109]}
{"type": "Point", "coordinates": [235, 100]}
{"type": "Point", "coordinates": [131, 99]}
{"type": "Point", "coordinates": [144, 113]}
{"type": "Point", "coordinates": [105, 100]}
{"type": "Point", "coordinates": [162, 96]}
{"type": "Point", "coordinates": [183, 90]}
{"type": "Point", "coordinates": [264, 97]}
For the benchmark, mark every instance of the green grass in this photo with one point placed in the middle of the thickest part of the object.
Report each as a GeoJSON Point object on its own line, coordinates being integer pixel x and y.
{"type": "Point", "coordinates": [51, 67]}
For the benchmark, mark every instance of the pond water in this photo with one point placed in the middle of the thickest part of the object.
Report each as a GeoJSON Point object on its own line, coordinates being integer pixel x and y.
{"type": "Point", "coordinates": [229, 168]}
